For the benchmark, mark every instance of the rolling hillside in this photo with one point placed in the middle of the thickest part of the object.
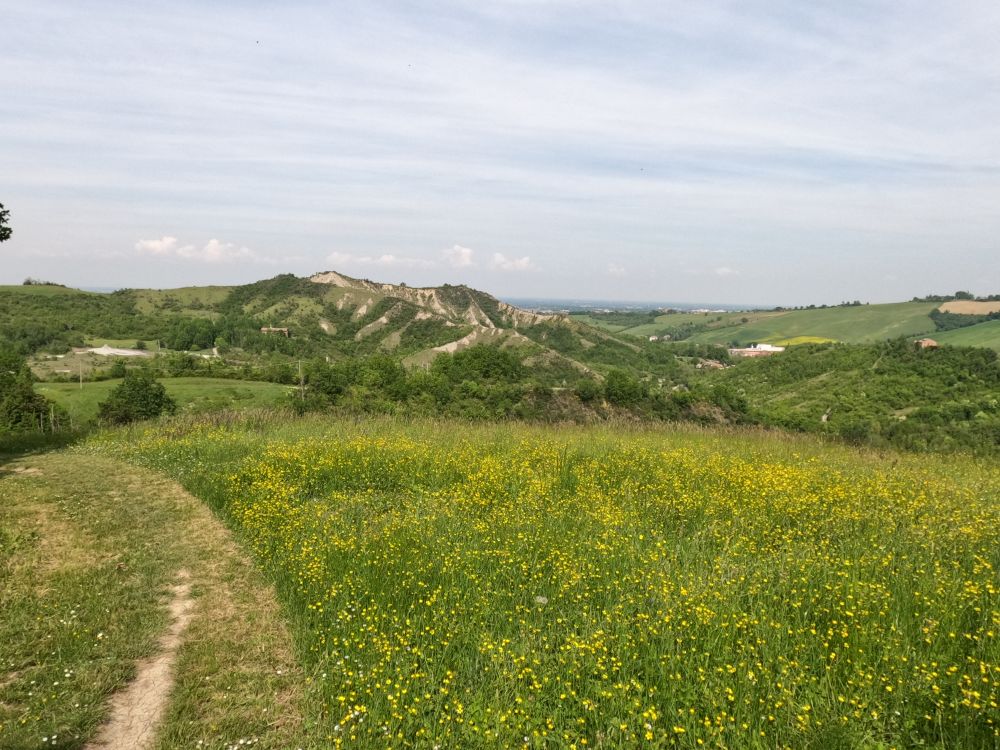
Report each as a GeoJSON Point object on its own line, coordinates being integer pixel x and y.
{"type": "Point", "coordinates": [889, 392]}
{"type": "Point", "coordinates": [982, 334]}
{"type": "Point", "coordinates": [330, 315]}
{"type": "Point", "coordinates": [854, 324]}
{"type": "Point", "coordinates": [333, 317]}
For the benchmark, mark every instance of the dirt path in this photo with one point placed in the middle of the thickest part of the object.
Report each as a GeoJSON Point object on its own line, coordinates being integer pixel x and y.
{"type": "Point", "coordinates": [131, 600]}
{"type": "Point", "coordinates": [137, 711]}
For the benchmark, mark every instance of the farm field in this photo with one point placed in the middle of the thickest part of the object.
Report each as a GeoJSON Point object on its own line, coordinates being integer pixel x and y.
{"type": "Point", "coordinates": [849, 324]}
{"type": "Point", "coordinates": [982, 334]}
{"type": "Point", "coordinates": [513, 586]}
{"type": "Point", "coordinates": [713, 320]}
{"type": "Point", "coordinates": [191, 394]}
{"type": "Point", "coordinates": [858, 325]}
{"type": "Point", "coordinates": [971, 307]}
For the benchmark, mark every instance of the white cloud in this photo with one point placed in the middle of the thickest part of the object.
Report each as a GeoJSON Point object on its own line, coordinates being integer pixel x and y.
{"type": "Point", "coordinates": [213, 251]}
{"type": "Point", "coordinates": [868, 126]}
{"type": "Point", "coordinates": [501, 262]}
{"type": "Point", "coordinates": [340, 259]}
{"type": "Point", "coordinates": [385, 260]}
{"type": "Point", "coordinates": [726, 271]}
{"type": "Point", "coordinates": [458, 256]}
{"type": "Point", "coordinates": [615, 269]}
{"type": "Point", "coordinates": [162, 246]}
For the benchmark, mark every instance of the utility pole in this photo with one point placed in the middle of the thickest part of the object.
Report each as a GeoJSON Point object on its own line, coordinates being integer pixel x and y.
{"type": "Point", "coordinates": [302, 383]}
{"type": "Point", "coordinates": [79, 364]}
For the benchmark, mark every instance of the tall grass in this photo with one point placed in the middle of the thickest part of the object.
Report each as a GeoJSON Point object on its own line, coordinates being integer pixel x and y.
{"type": "Point", "coordinates": [514, 586]}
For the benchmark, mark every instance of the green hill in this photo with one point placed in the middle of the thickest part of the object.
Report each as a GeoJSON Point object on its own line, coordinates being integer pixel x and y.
{"type": "Point", "coordinates": [329, 315]}
{"type": "Point", "coordinates": [889, 393]}
{"type": "Point", "coordinates": [857, 324]}
{"type": "Point", "coordinates": [982, 334]}
{"type": "Point", "coordinates": [364, 346]}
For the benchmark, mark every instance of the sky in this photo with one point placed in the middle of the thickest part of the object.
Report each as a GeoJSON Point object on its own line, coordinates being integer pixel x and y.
{"type": "Point", "coordinates": [735, 152]}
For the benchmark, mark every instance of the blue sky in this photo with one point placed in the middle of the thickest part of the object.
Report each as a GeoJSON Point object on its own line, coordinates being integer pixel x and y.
{"type": "Point", "coordinates": [743, 152]}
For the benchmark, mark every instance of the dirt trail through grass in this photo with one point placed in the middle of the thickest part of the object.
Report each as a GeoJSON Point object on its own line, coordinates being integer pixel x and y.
{"type": "Point", "coordinates": [131, 617]}
{"type": "Point", "coordinates": [137, 711]}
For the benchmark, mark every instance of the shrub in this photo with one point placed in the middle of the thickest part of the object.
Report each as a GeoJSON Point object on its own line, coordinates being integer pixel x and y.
{"type": "Point", "coordinates": [138, 396]}
{"type": "Point", "coordinates": [622, 389]}
{"type": "Point", "coordinates": [588, 390]}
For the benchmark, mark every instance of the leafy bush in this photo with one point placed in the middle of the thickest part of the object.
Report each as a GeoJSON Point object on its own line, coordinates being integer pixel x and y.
{"type": "Point", "coordinates": [622, 389]}
{"type": "Point", "coordinates": [21, 409]}
{"type": "Point", "coordinates": [588, 390]}
{"type": "Point", "coordinates": [139, 396]}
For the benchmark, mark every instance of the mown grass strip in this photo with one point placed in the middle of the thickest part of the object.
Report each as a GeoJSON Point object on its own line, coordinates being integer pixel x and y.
{"type": "Point", "coordinates": [88, 550]}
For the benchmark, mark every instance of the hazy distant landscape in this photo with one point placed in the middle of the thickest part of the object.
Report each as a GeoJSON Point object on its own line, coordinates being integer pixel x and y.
{"type": "Point", "coordinates": [335, 343]}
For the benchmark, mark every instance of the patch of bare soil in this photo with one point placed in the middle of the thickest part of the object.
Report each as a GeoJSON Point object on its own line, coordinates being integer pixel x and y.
{"type": "Point", "coordinates": [970, 307]}
{"type": "Point", "coordinates": [136, 712]}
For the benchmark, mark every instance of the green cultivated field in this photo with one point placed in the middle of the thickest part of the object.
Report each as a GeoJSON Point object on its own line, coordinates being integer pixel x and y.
{"type": "Point", "coordinates": [855, 325]}
{"type": "Point", "coordinates": [715, 320]}
{"type": "Point", "coordinates": [505, 586]}
{"type": "Point", "coordinates": [851, 324]}
{"type": "Point", "coordinates": [191, 394]}
{"type": "Point", "coordinates": [983, 334]}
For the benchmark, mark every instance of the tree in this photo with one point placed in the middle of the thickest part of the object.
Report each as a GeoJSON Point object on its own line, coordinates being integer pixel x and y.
{"type": "Point", "coordinates": [138, 396]}
{"type": "Point", "coordinates": [21, 409]}
{"type": "Point", "coordinates": [622, 389]}
{"type": "Point", "coordinates": [5, 231]}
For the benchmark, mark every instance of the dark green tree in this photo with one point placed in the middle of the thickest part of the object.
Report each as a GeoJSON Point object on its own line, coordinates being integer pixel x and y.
{"type": "Point", "coordinates": [5, 231]}
{"type": "Point", "coordinates": [623, 389]}
{"type": "Point", "coordinates": [138, 396]}
{"type": "Point", "coordinates": [21, 409]}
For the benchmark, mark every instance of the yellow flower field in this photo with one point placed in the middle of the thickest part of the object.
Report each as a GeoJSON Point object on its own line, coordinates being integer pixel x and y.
{"type": "Point", "coordinates": [530, 587]}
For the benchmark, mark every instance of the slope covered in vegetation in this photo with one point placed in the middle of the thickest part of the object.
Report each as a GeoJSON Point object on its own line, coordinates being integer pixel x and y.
{"type": "Point", "coordinates": [890, 393]}
{"type": "Point", "coordinates": [509, 586]}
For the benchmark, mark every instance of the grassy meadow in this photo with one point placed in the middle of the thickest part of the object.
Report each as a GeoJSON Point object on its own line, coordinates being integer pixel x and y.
{"type": "Point", "coordinates": [510, 586]}
{"type": "Point", "coordinates": [853, 324]}
{"type": "Point", "coordinates": [191, 394]}
{"type": "Point", "coordinates": [982, 334]}
{"type": "Point", "coordinates": [857, 324]}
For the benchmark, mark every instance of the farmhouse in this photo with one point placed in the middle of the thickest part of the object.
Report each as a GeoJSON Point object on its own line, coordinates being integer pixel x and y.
{"type": "Point", "coordinates": [926, 344]}
{"type": "Point", "coordinates": [757, 350]}
{"type": "Point", "coordinates": [269, 329]}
